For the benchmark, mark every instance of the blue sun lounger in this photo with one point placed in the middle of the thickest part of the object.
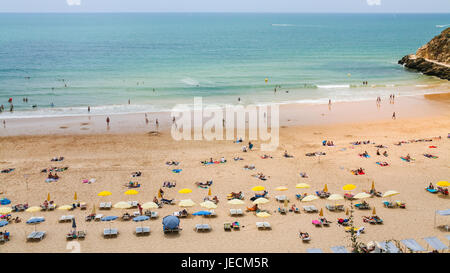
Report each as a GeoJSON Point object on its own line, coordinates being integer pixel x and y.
{"type": "Point", "coordinates": [435, 243]}
{"type": "Point", "coordinates": [339, 249]}
{"type": "Point", "coordinates": [314, 250]}
{"type": "Point", "coordinates": [412, 245]}
{"type": "Point", "coordinates": [389, 247]}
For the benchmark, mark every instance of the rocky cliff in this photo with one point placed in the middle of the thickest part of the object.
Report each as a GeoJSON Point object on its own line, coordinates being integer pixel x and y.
{"type": "Point", "coordinates": [433, 58]}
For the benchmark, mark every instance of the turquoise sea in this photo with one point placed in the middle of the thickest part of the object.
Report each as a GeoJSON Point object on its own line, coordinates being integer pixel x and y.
{"type": "Point", "coordinates": [159, 59]}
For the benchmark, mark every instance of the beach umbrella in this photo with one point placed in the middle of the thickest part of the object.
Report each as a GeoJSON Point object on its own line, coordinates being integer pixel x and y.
{"type": "Point", "coordinates": [309, 198]}
{"type": "Point", "coordinates": [390, 193]}
{"type": "Point", "coordinates": [302, 186]}
{"type": "Point", "coordinates": [109, 218]}
{"type": "Point", "coordinates": [3, 223]}
{"type": "Point", "coordinates": [325, 189]}
{"type": "Point", "coordinates": [171, 221]}
{"type": "Point", "coordinates": [150, 205]}
{"type": "Point", "coordinates": [33, 209]}
{"type": "Point", "coordinates": [263, 214]}
{"type": "Point", "coordinates": [258, 188]}
{"type": "Point", "coordinates": [236, 202]}
{"type": "Point", "coordinates": [443, 184]}
{"type": "Point", "coordinates": [5, 210]}
{"type": "Point", "coordinates": [93, 208]}
{"type": "Point", "coordinates": [373, 185]}
{"type": "Point", "coordinates": [141, 218]}
{"type": "Point", "coordinates": [5, 201]}
{"type": "Point", "coordinates": [186, 203]}
{"type": "Point", "coordinates": [159, 194]}
{"type": "Point", "coordinates": [261, 200]}
{"type": "Point", "coordinates": [285, 203]}
{"type": "Point", "coordinates": [202, 213]}
{"type": "Point", "coordinates": [348, 187]}
{"type": "Point", "coordinates": [104, 193]}
{"type": "Point", "coordinates": [75, 197]}
{"type": "Point", "coordinates": [347, 212]}
{"type": "Point", "coordinates": [122, 205]}
{"type": "Point", "coordinates": [65, 207]}
{"type": "Point", "coordinates": [131, 192]}
{"type": "Point", "coordinates": [35, 220]}
{"type": "Point", "coordinates": [362, 195]}
{"type": "Point", "coordinates": [48, 197]}
{"type": "Point", "coordinates": [335, 197]}
{"type": "Point", "coordinates": [374, 211]}
{"type": "Point", "coordinates": [209, 192]}
{"type": "Point", "coordinates": [208, 205]}
{"type": "Point", "coordinates": [321, 212]}
{"type": "Point", "coordinates": [185, 191]}
{"type": "Point", "coordinates": [282, 188]}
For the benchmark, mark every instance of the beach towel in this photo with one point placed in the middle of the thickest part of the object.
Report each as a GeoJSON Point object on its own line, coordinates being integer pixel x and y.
{"type": "Point", "coordinates": [430, 156]}
{"type": "Point", "coordinates": [382, 164]}
{"type": "Point", "coordinates": [363, 155]}
{"type": "Point", "coordinates": [405, 159]}
{"type": "Point", "coordinates": [8, 170]}
{"type": "Point", "coordinates": [176, 170]}
{"type": "Point", "coordinates": [432, 190]}
{"type": "Point", "coordinates": [432, 146]}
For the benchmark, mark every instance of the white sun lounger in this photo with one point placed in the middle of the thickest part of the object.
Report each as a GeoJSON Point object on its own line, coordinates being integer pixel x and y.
{"type": "Point", "coordinates": [98, 217]}
{"type": "Point", "coordinates": [133, 204]}
{"type": "Point", "coordinates": [213, 214]}
{"type": "Point", "coordinates": [435, 243]}
{"type": "Point", "coordinates": [142, 230]}
{"type": "Point", "coordinates": [339, 249]}
{"type": "Point", "coordinates": [236, 212]}
{"type": "Point", "coordinates": [154, 214]}
{"type": "Point", "coordinates": [102, 206]}
{"type": "Point", "coordinates": [412, 245]}
{"type": "Point", "coordinates": [202, 227]}
{"type": "Point", "coordinates": [108, 205]}
{"type": "Point", "coordinates": [263, 225]}
{"type": "Point", "coordinates": [66, 218]}
{"type": "Point", "coordinates": [389, 247]}
{"type": "Point", "coordinates": [311, 208]}
{"type": "Point", "coordinates": [314, 250]}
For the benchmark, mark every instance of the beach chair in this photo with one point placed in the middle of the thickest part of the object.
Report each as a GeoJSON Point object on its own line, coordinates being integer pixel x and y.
{"type": "Point", "coordinates": [314, 250]}
{"type": "Point", "coordinates": [313, 208]}
{"type": "Point", "coordinates": [30, 236]}
{"type": "Point", "coordinates": [102, 206]}
{"type": "Point", "coordinates": [83, 206]}
{"type": "Point", "coordinates": [227, 226]}
{"type": "Point", "coordinates": [81, 234]}
{"type": "Point", "coordinates": [282, 210]}
{"type": "Point", "coordinates": [339, 249]}
{"type": "Point", "coordinates": [339, 207]}
{"type": "Point", "coordinates": [142, 231]}
{"type": "Point", "coordinates": [39, 235]}
{"type": "Point", "coordinates": [202, 227]}
{"type": "Point", "coordinates": [133, 204]}
{"type": "Point", "coordinates": [435, 243]}
{"type": "Point", "coordinates": [389, 204]}
{"type": "Point", "coordinates": [213, 213]}
{"type": "Point", "coordinates": [153, 215]}
{"type": "Point", "coordinates": [108, 205]}
{"type": "Point", "coordinates": [98, 217]}
{"type": "Point", "coordinates": [412, 245]}
{"type": "Point", "coordinates": [239, 212]}
{"type": "Point", "coordinates": [330, 207]}
{"type": "Point", "coordinates": [389, 247]}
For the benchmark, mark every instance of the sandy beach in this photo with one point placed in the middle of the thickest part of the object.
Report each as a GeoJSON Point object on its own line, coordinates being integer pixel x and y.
{"type": "Point", "coordinates": [90, 151]}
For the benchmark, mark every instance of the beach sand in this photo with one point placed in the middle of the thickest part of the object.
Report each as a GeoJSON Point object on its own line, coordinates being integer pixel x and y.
{"type": "Point", "coordinates": [110, 157]}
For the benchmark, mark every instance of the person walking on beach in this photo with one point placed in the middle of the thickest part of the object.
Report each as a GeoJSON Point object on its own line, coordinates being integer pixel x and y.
{"type": "Point", "coordinates": [4, 123]}
{"type": "Point", "coordinates": [393, 116]}
{"type": "Point", "coordinates": [89, 109]}
{"type": "Point", "coordinates": [129, 101]}
{"type": "Point", "coordinates": [107, 122]}
{"type": "Point", "coordinates": [157, 124]}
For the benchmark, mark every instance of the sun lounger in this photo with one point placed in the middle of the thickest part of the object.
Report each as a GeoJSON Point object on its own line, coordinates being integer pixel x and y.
{"type": "Point", "coordinates": [133, 204]}
{"type": "Point", "coordinates": [36, 235]}
{"type": "Point", "coordinates": [108, 205]}
{"type": "Point", "coordinates": [98, 217]}
{"type": "Point", "coordinates": [213, 214]}
{"type": "Point", "coordinates": [154, 214]}
{"type": "Point", "coordinates": [168, 230]}
{"type": "Point", "coordinates": [412, 245]}
{"type": "Point", "coordinates": [263, 225]}
{"type": "Point", "coordinates": [227, 226]}
{"type": "Point", "coordinates": [311, 208]}
{"type": "Point", "coordinates": [66, 218]}
{"type": "Point", "coordinates": [102, 206]}
{"type": "Point", "coordinates": [330, 207]}
{"type": "Point", "coordinates": [282, 210]}
{"type": "Point", "coordinates": [314, 250]}
{"type": "Point", "coordinates": [339, 249]}
{"type": "Point", "coordinates": [389, 247]}
{"type": "Point", "coordinates": [202, 227]}
{"type": "Point", "coordinates": [435, 243]}
{"type": "Point", "coordinates": [142, 231]}
{"type": "Point", "coordinates": [110, 232]}
{"type": "Point", "coordinates": [31, 235]}
{"type": "Point", "coordinates": [81, 234]}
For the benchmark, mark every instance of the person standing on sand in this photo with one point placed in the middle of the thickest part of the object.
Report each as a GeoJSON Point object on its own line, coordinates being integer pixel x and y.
{"type": "Point", "coordinates": [157, 124]}
{"type": "Point", "coordinates": [393, 116]}
{"type": "Point", "coordinates": [129, 101]}
{"type": "Point", "coordinates": [89, 109]}
{"type": "Point", "coordinates": [107, 121]}
{"type": "Point", "coordinates": [4, 123]}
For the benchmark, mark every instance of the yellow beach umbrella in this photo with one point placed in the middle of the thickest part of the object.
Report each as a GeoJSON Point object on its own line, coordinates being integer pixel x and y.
{"type": "Point", "coordinates": [263, 214]}
{"type": "Point", "coordinates": [33, 209]}
{"type": "Point", "coordinates": [335, 197]}
{"type": "Point", "coordinates": [302, 186]}
{"type": "Point", "coordinates": [348, 187]}
{"type": "Point", "coordinates": [122, 205]}
{"type": "Point", "coordinates": [309, 198]}
{"type": "Point", "coordinates": [159, 194]}
{"type": "Point", "coordinates": [150, 205]}
{"type": "Point", "coordinates": [104, 193]}
{"type": "Point", "coordinates": [48, 197]}
{"type": "Point", "coordinates": [362, 195]}
{"type": "Point", "coordinates": [5, 210]}
{"type": "Point", "coordinates": [325, 189]}
{"type": "Point", "coordinates": [261, 200]}
{"type": "Point", "coordinates": [186, 203]}
{"type": "Point", "coordinates": [258, 188]}
{"type": "Point", "coordinates": [321, 212]}
{"type": "Point", "coordinates": [208, 205]}
{"type": "Point", "coordinates": [443, 184]}
{"type": "Point", "coordinates": [236, 202]}
{"type": "Point", "coordinates": [209, 192]}
{"type": "Point", "coordinates": [374, 212]}
{"type": "Point", "coordinates": [75, 197]}
{"type": "Point", "coordinates": [390, 193]}
{"type": "Point", "coordinates": [373, 185]}
{"type": "Point", "coordinates": [65, 207]}
{"type": "Point", "coordinates": [185, 191]}
{"type": "Point", "coordinates": [281, 188]}
{"type": "Point", "coordinates": [131, 192]}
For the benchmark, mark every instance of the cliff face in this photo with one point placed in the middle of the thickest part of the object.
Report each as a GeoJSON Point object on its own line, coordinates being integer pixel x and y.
{"type": "Point", "coordinates": [433, 58]}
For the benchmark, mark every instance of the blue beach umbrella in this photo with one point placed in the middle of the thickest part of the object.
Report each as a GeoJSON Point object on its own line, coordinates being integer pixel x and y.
{"type": "Point", "coordinates": [5, 201]}
{"type": "Point", "coordinates": [202, 212]}
{"type": "Point", "coordinates": [171, 221]}
{"type": "Point", "coordinates": [109, 218]}
{"type": "Point", "coordinates": [3, 223]}
{"type": "Point", "coordinates": [141, 218]}
{"type": "Point", "coordinates": [36, 220]}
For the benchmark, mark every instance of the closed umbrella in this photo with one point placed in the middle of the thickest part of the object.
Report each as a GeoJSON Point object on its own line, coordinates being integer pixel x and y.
{"type": "Point", "coordinates": [325, 189]}
{"type": "Point", "coordinates": [48, 197]}
{"type": "Point", "coordinates": [374, 211]}
{"type": "Point", "coordinates": [321, 212]}
{"type": "Point", "coordinates": [75, 197]}
{"type": "Point", "coordinates": [309, 198]}
{"type": "Point", "coordinates": [74, 224]}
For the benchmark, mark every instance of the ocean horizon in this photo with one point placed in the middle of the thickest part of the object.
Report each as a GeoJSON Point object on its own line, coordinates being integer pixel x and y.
{"type": "Point", "coordinates": [64, 62]}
